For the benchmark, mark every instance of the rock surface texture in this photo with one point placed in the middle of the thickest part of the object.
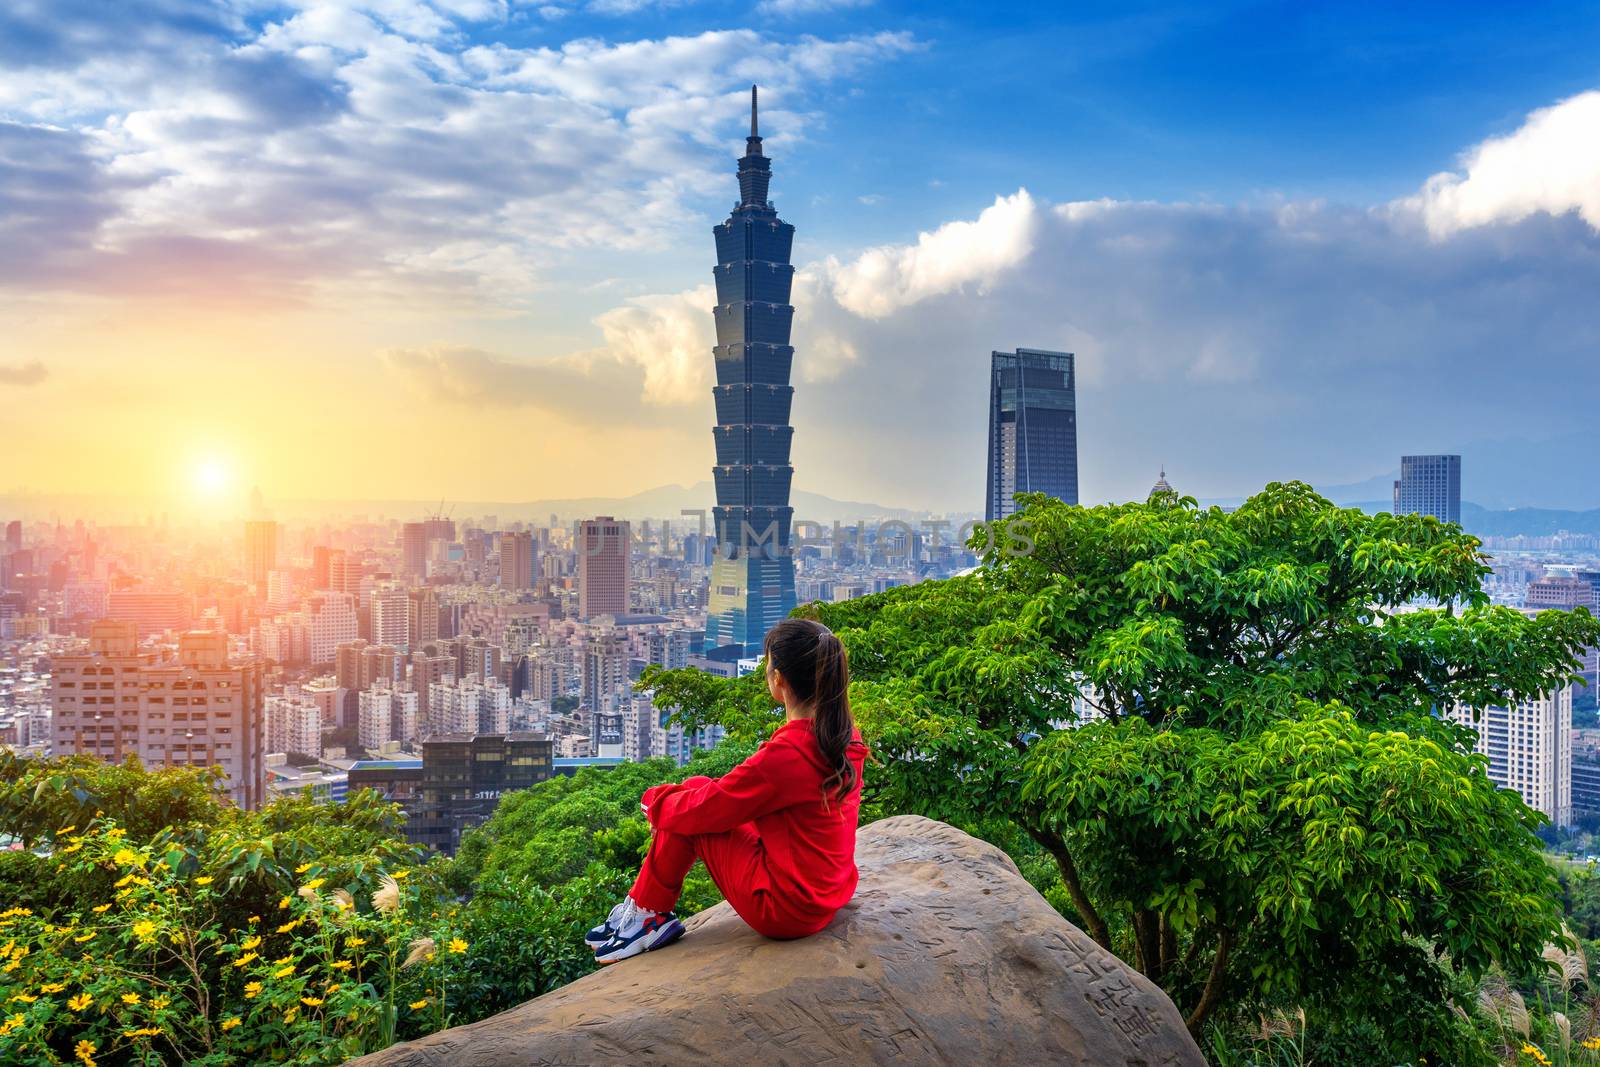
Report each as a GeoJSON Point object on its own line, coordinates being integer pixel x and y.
{"type": "Point", "coordinates": [945, 956]}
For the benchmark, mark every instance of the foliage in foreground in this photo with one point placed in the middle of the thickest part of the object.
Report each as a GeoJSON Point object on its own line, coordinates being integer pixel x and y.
{"type": "Point", "coordinates": [304, 933]}
{"type": "Point", "coordinates": [1220, 727]}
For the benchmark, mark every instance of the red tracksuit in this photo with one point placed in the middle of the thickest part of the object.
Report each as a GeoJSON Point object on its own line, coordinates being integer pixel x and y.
{"type": "Point", "coordinates": [784, 859]}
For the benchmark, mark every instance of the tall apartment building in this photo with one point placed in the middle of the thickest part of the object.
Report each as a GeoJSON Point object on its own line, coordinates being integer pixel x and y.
{"type": "Point", "coordinates": [202, 710]}
{"type": "Point", "coordinates": [1033, 428]}
{"type": "Point", "coordinates": [605, 671]}
{"type": "Point", "coordinates": [414, 549]}
{"type": "Point", "coordinates": [517, 563]}
{"type": "Point", "coordinates": [260, 553]}
{"type": "Point", "coordinates": [469, 707]}
{"type": "Point", "coordinates": [1529, 745]}
{"type": "Point", "coordinates": [391, 617]}
{"type": "Point", "coordinates": [605, 567]}
{"type": "Point", "coordinates": [331, 621]}
{"type": "Point", "coordinates": [428, 669]}
{"type": "Point", "coordinates": [386, 715]}
{"type": "Point", "coordinates": [422, 616]}
{"type": "Point", "coordinates": [294, 724]}
{"type": "Point", "coordinates": [1564, 593]}
{"type": "Point", "coordinates": [1429, 485]}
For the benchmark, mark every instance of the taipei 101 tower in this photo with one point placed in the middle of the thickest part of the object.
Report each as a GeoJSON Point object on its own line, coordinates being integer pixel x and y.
{"type": "Point", "coordinates": [752, 577]}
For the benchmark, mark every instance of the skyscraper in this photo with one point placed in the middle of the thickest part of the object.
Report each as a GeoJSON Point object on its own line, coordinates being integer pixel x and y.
{"type": "Point", "coordinates": [1529, 745]}
{"type": "Point", "coordinates": [260, 552]}
{"type": "Point", "coordinates": [1033, 428]}
{"type": "Point", "coordinates": [605, 566]}
{"type": "Point", "coordinates": [414, 549]}
{"type": "Point", "coordinates": [516, 560]}
{"type": "Point", "coordinates": [752, 577]}
{"type": "Point", "coordinates": [1429, 485]}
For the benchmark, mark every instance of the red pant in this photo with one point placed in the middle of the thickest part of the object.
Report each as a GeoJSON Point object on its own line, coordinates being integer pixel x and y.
{"type": "Point", "coordinates": [736, 862]}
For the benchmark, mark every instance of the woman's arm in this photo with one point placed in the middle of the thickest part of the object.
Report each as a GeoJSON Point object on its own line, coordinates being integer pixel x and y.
{"type": "Point", "coordinates": [710, 806]}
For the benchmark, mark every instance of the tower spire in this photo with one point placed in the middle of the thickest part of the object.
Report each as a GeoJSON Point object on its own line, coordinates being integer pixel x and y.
{"type": "Point", "coordinates": [753, 132]}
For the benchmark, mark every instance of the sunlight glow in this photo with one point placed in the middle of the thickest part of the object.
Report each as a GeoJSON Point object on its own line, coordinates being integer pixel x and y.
{"type": "Point", "coordinates": [211, 476]}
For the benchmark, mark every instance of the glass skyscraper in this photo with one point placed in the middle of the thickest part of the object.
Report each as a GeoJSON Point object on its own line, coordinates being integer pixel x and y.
{"type": "Point", "coordinates": [752, 576]}
{"type": "Point", "coordinates": [1033, 428]}
{"type": "Point", "coordinates": [1429, 485]}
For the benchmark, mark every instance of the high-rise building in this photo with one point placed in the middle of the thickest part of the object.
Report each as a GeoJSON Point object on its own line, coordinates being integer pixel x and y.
{"type": "Point", "coordinates": [605, 671]}
{"type": "Point", "coordinates": [1429, 485]}
{"type": "Point", "coordinates": [330, 622]}
{"type": "Point", "coordinates": [202, 710]}
{"type": "Point", "coordinates": [391, 617]}
{"type": "Point", "coordinates": [294, 724]}
{"type": "Point", "coordinates": [1033, 428]}
{"type": "Point", "coordinates": [752, 577]}
{"type": "Point", "coordinates": [605, 566]}
{"type": "Point", "coordinates": [260, 552]}
{"type": "Point", "coordinates": [422, 616]}
{"type": "Point", "coordinates": [426, 670]}
{"type": "Point", "coordinates": [1529, 745]}
{"type": "Point", "coordinates": [414, 549]}
{"type": "Point", "coordinates": [517, 560]}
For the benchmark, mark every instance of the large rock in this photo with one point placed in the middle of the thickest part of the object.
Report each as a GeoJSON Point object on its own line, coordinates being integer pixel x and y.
{"type": "Point", "coordinates": [945, 956]}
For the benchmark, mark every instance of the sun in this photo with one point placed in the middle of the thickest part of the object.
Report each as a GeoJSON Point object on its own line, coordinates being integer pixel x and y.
{"type": "Point", "coordinates": [210, 475]}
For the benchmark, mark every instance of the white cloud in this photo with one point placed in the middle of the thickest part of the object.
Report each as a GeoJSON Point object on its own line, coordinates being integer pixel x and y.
{"type": "Point", "coordinates": [883, 280]}
{"type": "Point", "coordinates": [1551, 164]}
{"type": "Point", "coordinates": [669, 338]}
{"type": "Point", "coordinates": [371, 147]}
{"type": "Point", "coordinates": [797, 8]}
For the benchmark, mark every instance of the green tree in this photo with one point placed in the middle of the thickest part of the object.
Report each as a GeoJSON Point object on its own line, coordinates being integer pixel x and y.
{"type": "Point", "coordinates": [1263, 806]}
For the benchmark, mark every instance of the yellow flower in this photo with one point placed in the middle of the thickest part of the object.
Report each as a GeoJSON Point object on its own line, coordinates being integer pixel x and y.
{"type": "Point", "coordinates": [65, 830]}
{"type": "Point", "coordinates": [290, 925]}
{"type": "Point", "coordinates": [72, 848]}
{"type": "Point", "coordinates": [13, 1023]}
{"type": "Point", "coordinates": [354, 942]}
{"type": "Point", "coordinates": [282, 961]}
{"type": "Point", "coordinates": [332, 987]}
{"type": "Point", "coordinates": [124, 857]}
{"type": "Point", "coordinates": [204, 879]}
{"type": "Point", "coordinates": [160, 1002]}
{"type": "Point", "coordinates": [311, 1002]}
{"type": "Point", "coordinates": [457, 945]}
{"type": "Point", "coordinates": [8, 968]}
{"type": "Point", "coordinates": [314, 884]}
{"type": "Point", "coordinates": [51, 987]}
{"type": "Point", "coordinates": [25, 998]}
{"type": "Point", "coordinates": [130, 998]}
{"type": "Point", "coordinates": [418, 1005]}
{"type": "Point", "coordinates": [84, 1049]}
{"type": "Point", "coordinates": [124, 880]}
{"type": "Point", "coordinates": [284, 903]}
{"type": "Point", "coordinates": [341, 965]}
{"type": "Point", "coordinates": [86, 937]}
{"type": "Point", "coordinates": [251, 989]}
{"type": "Point", "coordinates": [143, 929]}
{"type": "Point", "coordinates": [303, 868]}
{"type": "Point", "coordinates": [246, 958]}
{"type": "Point", "coordinates": [143, 1031]}
{"type": "Point", "coordinates": [79, 1002]}
{"type": "Point", "coordinates": [1592, 1043]}
{"type": "Point", "coordinates": [101, 909]}
{"type": "Point", "coordinates": [283, 972]}
{"type": "Point", "coordinates": [116, 831]}
{"type": "Point", "coordinates": [229, 1023]}
{"type": "Point", "coordinates": [251, 943]}
{"type": "Point", "coordinates": [290, 1015]}
{"type": "Point", "coordinates": [397, 875]}
{"type": "Point", "coordinates": [253, 919]}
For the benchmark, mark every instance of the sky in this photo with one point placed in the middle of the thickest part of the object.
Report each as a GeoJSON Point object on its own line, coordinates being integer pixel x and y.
{"type": "Point", "coordinates": [461, 249]}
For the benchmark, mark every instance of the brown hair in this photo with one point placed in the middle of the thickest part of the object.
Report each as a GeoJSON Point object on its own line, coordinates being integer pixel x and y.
{"type": "Point", "coordinates": [812, 661]}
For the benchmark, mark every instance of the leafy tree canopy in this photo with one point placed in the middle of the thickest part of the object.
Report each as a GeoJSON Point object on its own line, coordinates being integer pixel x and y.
{"type": "Point", "coordinates": [1222, 727]}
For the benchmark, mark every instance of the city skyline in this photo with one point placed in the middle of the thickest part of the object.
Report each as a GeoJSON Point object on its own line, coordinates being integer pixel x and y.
{"type": "Point", "coordinates": [264, 237]}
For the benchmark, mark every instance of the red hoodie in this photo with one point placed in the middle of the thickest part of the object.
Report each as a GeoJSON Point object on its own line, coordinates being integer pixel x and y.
{"type": "Point", "coordinates": [810, 845]}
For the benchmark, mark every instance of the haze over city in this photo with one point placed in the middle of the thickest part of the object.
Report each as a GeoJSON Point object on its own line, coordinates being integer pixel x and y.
{"type": "Point", "coordinates": [405, 251]}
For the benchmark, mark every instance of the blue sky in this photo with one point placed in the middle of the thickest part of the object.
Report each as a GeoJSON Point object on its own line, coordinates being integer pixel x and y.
{"type": "Point", "coordinates": [1285, 240]}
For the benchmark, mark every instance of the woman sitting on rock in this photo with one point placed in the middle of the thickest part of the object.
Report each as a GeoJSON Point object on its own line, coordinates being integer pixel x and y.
{"type": "Point", "coordinates": [778, 832]}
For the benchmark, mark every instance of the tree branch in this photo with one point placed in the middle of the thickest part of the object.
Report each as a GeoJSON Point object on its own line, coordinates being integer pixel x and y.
{"type": "Point", "coordinates": [1212, 993]}
{"type": "Point", "coordinates": [1053, 844]}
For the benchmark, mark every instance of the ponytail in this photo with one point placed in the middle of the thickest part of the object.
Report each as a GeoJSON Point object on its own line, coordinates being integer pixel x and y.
{"type": "Point", "coordinates": [812, 660]}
